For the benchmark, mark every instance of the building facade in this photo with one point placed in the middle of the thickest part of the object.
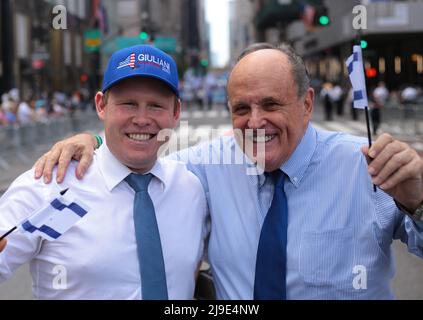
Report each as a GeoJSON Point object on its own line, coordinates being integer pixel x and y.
{"type": "Point", "coordinates": [175, 26]}
{"type": "Point", "coordinates": [393, 47]}
{"type": "Point", "coordinates": [241, 26]}
{"type": "Point", "coordinates": [36, 57]}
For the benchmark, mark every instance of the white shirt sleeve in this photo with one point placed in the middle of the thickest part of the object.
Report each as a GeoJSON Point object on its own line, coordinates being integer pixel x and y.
{"type": "Point", "coordinates": [24, 196]}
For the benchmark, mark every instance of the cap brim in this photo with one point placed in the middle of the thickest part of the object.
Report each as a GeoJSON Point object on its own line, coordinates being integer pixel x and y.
{"type": "Point", "coordinates": [116, 81]}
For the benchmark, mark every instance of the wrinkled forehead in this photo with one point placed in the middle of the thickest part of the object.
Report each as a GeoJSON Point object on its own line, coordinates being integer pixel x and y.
{"type": "Point", "coordinates": [266, 72]}
{"type": "Point", "coordinates": [265, 63]}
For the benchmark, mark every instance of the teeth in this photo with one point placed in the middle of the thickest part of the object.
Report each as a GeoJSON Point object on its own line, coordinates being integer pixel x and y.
{"type": "Point", "coordinates": [140, 137]}
{"type": "Point", "coordinates": [261, 139]}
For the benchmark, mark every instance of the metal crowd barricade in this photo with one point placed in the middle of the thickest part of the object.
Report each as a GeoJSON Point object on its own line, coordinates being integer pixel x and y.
{"type": "Point", "coordinates": [17, 141]}
{"type": "Point", "coordinates": [10, 145]}
{"type": "Point", "coordinates": [403, 119]}
{"type": "Point", "coordinates": [4, 146]}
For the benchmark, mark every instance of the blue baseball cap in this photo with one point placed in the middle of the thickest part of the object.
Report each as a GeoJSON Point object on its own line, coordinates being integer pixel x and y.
{"type": "Point", "coordinates": [141, 61]}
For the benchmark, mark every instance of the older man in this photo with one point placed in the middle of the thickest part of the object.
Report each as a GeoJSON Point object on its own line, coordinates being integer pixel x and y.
{"type": "Point", "coordinates": [311, 226]}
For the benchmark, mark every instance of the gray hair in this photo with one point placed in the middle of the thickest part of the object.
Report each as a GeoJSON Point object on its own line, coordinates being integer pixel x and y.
{"type": "Point", "coordinates": [299, 70]}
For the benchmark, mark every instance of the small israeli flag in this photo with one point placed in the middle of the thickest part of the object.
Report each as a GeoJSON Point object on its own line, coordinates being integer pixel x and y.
{"type": "Point", "coordinates": [358, 81]}
{"type": "Point", "coordinates": [56, 218]}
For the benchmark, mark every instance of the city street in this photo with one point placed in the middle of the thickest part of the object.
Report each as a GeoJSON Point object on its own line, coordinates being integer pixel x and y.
{"type": "Point", "coordinates": [293, 233]}
{"type": "Point", "coordinates": [409, 278]}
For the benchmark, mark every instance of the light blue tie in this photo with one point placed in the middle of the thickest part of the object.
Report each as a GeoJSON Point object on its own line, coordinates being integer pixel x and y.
{"type": "Point", "coordinates": [270, 277]}
{"type": "Point", "coordinates": [150, 255]}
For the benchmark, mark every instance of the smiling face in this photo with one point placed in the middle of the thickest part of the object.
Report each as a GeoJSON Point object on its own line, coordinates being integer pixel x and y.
{"type": "Point", "coordinates": [134, 113]}
{"type": "Point", "coordinates": [263, 95]}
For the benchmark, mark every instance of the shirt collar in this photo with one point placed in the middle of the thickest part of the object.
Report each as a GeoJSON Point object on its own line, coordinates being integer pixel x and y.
{"type": "Point", "coordinates": [114, 172]}
{"type": "Point", "coordinates": [297, 164]}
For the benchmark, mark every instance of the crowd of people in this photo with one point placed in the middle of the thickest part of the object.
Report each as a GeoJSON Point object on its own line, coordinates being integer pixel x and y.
{"type": "Point", "coordinates": [335, 99]}
{"type": "Point", "coordinates": [203, 91]}
{"type": "Point", "coordinates": [18, 110]}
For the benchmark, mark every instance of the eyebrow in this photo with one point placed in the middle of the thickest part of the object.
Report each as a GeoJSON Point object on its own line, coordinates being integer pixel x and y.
{"type": "Point", "coordinates": [268, 100]}
{"type": "Point", "coordinates": [124, 100]}
{"type": "Point", "coordinates": [263, 101]}
{"type": "Point", "coordinates": [239, 104]}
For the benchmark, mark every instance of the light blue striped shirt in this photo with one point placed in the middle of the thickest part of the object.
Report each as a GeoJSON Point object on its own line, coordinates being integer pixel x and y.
{"type": "Point", "coordinates": [339, 230]}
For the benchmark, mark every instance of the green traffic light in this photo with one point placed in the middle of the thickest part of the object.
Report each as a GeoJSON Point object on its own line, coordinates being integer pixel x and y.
{"type": "Point", "coordinates": [363, 44]}
{"type": "Point", "coordinates": [324, 20]}
{"type": "Point", "coordinates": [205, 63]}
{"type": "Point", "coordinates": [144, 35]}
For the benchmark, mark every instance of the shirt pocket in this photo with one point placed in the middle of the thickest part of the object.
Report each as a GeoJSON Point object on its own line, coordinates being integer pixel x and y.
{"type": "Point", "coordinates": [326, 257]}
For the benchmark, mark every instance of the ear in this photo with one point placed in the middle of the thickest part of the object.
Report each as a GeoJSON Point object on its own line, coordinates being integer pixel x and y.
{"type": "Point", "coordinates": [100, 106]}
{"type": "Point", "coordinates": [177, 111]}
{"type": "Point", "coordinates": [309, 103]}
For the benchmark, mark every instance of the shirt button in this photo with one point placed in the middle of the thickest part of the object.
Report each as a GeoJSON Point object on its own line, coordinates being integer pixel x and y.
{"type": "Point", "coordinates": [295, 179]}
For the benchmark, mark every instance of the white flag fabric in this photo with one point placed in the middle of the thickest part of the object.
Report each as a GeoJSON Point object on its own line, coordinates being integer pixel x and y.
{"type": "Point", "coordinates": [358, 81]}
{"type": "Point", "coordinates": [56, 218]}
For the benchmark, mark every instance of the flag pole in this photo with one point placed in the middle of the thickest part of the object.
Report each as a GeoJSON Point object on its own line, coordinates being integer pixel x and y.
{"type": "Point", "coordinates": [7, 233]}
{"type": "Point", "coordinates": [366, 109]}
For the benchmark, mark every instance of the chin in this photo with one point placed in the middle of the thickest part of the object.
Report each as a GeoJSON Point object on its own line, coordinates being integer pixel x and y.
{"type": "Point", "coordinates": [272, 164]}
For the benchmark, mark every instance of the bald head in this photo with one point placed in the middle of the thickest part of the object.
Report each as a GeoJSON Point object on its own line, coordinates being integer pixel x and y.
{"type": "Point", "coordinates": [260, 72]}
{"type": "Point", "coordinates": [288, 57]}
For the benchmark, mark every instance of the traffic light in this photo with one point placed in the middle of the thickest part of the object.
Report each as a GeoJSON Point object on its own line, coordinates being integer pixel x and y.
{"type": "Point", "coordinates": [371, 72]}
{"type": "Point", "coordinates": [204, 63]}
{"type": "Point", "coordinates": [324, 20]}
{"type": "Point", "coordinates": [321, 17]}
{"type": "Point", "coordinates": [144, 36]}
{"type": "Point", "coordinates": [363, 44]}
{"type": "Point", "coordinates": [84, 77]}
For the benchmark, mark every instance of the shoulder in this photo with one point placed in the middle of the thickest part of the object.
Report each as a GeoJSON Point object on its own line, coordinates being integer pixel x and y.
{"type": "Point", "coordinates": [27, 187]}
{"type": "Point", "coordinates": [203, 150]}
{"type": "Point", "coordinates": [91, 181]}
{"type": "Point", "coordinates": [177, 174]}
{"type": "Point", "coordinates": [70, 178]}
{"type": "Point", "coordinates": [24, 196]}
{"type": "Point", "coordinates": [342, 144]}
{"type": "Point", "coordinates": [26, 183]}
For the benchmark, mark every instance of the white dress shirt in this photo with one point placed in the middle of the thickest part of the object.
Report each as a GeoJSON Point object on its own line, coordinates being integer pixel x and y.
{"type": "Point", "coordinates": [97, 257]}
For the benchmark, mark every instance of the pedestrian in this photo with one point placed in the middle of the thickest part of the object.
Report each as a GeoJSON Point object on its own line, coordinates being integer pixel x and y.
{"type": "Point", "coordinates": [409, 98]}
{"type": "Point", "coordinates": [327, 101]}
{"type": "Point", "coordinates": [25, 113]}
{"type": "Point", "coordinates": [334, 233]}
{"type": "Point", "coordinates": [143, 237]}
{"type": "Point", "coordinates": [380, 97]}
{"type": "Point", "coordinates": [336, 95]}
{"type": "Point", "coordinates": [350, 103]}
{"type": "Point", "coordinates": [209, 87]}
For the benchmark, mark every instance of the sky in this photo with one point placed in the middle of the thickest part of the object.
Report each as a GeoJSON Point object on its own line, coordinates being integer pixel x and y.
{"type": "Point", "coordinates": [217, 14]}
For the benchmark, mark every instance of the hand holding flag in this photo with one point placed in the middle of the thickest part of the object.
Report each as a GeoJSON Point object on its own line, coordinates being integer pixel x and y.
{"type": "Point", "coordinates": [54, 219]}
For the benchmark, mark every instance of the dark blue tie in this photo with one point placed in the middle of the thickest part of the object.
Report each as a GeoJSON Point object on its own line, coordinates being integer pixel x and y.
{"type": "Point", "coordinates": [149, 248]}
{"type": "Point", "coordinates": [270, 278]}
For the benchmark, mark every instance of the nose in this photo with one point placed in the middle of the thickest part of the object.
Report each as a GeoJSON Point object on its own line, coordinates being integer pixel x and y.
{"type": "Point", "coordinates": [256, 120]}
{"type": "Point", "coordinates": [141, 118]}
